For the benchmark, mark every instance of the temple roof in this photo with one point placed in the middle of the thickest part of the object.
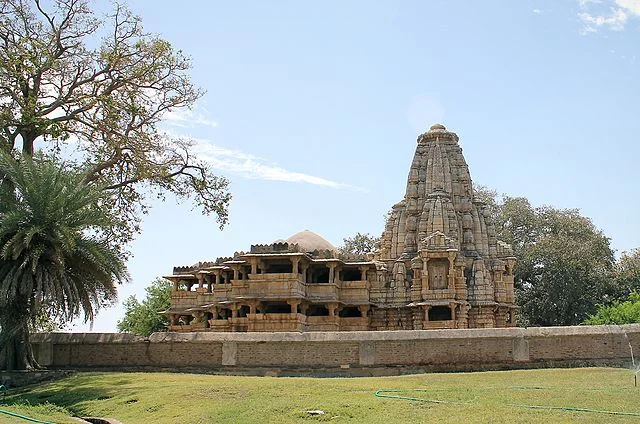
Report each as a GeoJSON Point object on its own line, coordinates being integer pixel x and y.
{"type": "Point", "coordinates": [310, 241]}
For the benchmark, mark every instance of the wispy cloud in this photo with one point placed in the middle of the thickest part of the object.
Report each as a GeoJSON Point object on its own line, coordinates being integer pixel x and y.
{"type": "Point", "coordinates": [250, 166]}
{"type": "Point", "coordinates": [607, 14]}
{"type": "Point", "coordinates": [537, 11]}
{"type": "Point", "coordinates": [189, 118]}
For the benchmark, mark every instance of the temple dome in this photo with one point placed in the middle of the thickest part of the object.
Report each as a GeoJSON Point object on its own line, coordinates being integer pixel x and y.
{"type": "Point", "coordinates": [310, 241]}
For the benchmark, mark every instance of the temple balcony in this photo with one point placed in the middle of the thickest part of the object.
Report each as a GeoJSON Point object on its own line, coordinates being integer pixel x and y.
{"type": "Point", "coordinates": [355, 292]}
{"type": "Point", "coordinates": [184, 299]}
{"type": "Point", "coordinates": [322, 323]}
{"type": "Point", "coordinates": [354, 324]}
{"type": "Point", "coordinates": [276, 322]}
{"type": "Point", "coordinates": [432, 325]}
{"type": "Point", "coordinates": [186, 328]}
{"type": "Point", "coordinates": [276, 285]}
{"type": "Point", "coordinates": [322, 292]}
{"type": "Point", "coordinates": [438, 294]}
{"type": "Point", "coordinates": [239, 324]}
{"type": "Point", "coordinates": [220, 325]}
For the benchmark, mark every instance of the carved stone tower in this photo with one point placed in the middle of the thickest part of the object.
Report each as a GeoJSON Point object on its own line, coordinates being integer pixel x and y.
{"type": "Point", "coordinates": [439, 248]}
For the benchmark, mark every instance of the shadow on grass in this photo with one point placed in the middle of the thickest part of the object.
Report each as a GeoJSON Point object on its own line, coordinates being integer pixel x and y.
{"type": "Point", "coordinates": [70, 395]}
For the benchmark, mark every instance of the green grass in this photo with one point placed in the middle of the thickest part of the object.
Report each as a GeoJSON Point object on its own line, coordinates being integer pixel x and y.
{"type": "Point", "coordinates": [483, 397]}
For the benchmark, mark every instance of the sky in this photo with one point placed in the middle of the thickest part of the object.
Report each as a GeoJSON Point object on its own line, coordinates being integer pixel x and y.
{"type": "Point", "coordinates": [312, 110]}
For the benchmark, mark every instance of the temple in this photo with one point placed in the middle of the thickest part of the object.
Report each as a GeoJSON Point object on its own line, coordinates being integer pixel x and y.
{"type": "Point", "coordinates": [438, 265]}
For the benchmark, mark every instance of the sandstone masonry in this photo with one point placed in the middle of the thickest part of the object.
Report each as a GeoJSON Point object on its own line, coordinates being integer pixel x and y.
{"type": "Point", "coordinates": [344, 353]}
{"type": "Point", "coordinates": [439, 265]}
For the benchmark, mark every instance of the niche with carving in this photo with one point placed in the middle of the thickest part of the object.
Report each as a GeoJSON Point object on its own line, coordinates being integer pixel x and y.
{"type": "Point", "coordinates": [438, 270]}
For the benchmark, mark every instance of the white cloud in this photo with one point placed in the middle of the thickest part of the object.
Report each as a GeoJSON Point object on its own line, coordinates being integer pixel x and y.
{"type": "Point", "coordinates": [613, 15]}
{"type": "Point", "coordinates": [189, 118]}
{"type": "Point", "coordinates": [537, 11]}
{"type": "Point", "coordinates": [253, 167]}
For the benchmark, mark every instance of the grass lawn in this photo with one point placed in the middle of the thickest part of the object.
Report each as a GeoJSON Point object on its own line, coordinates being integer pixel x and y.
{"type": "Point", "coordinates": [483, 397]}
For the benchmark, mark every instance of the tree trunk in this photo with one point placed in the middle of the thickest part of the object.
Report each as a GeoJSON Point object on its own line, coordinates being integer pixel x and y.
{"type": "Point", "coordinates": [16, 352]}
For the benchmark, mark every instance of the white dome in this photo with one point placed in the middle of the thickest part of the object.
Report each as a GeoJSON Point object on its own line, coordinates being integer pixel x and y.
{"type": "Point", "coordinates": [310, 241]}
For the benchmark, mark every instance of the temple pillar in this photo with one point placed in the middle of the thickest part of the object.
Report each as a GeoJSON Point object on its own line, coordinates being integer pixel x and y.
{"type": "Point", "coordinates": [364, 309]}
{"type": "Point", "coordinates": [200, 278]}
{"type": "Point", "coordinates": [332, 308]}
{"type": "Point", "coordinates": [332, 272]}
{"type": "Point", "coordinates": [451, 283]}
{"type": "Point", "coordinates": [294, 305]}
{"type": "Point", "coordinates": [363, 271]}
{"type": "Point", "coordinates": [295, 260]}
{"type": "Point", "coordinates": [305, 268]}
{"type": "Point", "coordinates": [425, 276]}
{"type": "Point", "coordinates": [175, 285]}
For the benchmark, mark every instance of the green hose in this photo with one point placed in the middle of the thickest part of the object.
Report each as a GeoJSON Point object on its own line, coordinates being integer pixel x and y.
{"type": "Point", "coordinates": [33, 420]}
{"type": "Point", "coordinates": [380, 394]}
{"type": "Point", "coordinates": [565, 408]}
{"type": "Point", "coordinates": [3, 389]}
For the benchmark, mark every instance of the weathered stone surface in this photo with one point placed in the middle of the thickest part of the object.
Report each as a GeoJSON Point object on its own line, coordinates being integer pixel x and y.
{"type": "Point", "coordinates": [359, 352]}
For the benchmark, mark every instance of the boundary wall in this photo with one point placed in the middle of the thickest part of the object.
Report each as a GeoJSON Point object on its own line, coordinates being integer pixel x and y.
{"type": "Point", "coordinates": [343, 353]}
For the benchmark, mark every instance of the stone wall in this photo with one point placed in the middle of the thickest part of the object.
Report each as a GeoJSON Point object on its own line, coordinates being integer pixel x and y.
{"type": "Point", "coordinates": [344, 353]}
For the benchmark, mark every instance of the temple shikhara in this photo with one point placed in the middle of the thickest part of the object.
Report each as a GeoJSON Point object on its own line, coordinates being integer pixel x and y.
{"type": "Point", "coordinates": [438, 265]}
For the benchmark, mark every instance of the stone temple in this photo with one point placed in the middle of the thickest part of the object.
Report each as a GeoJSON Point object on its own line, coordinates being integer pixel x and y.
{"type": "Point", "coordinates": [438, 265]}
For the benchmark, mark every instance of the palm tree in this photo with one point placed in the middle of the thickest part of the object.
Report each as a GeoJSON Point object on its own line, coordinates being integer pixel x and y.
{"type": "Point", "coordinates": [53, 251]}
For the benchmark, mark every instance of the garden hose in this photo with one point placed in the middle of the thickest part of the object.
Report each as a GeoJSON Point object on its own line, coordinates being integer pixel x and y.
{"type": "Point", "coordinates": [381, 394]}
{"type": "Point", "coordinates": [3, 389]}
{"type": "Point", "coordinates": [33, 420]}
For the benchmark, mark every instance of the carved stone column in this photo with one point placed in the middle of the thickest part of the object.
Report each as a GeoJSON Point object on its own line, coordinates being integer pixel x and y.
{"type": "Point", "coordinates": [363, 271]}
{"type": "Point", "coordinates": [364, 309]}
{"type": "Point", "coordinates": [294, 264]}
{"type": "Point", "coordinates": [332, 271]}
{"type": "Point", "coordinates": [294, 306]}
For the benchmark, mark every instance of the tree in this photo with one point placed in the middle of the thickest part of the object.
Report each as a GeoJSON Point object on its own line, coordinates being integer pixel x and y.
{"type": "Point", "coordinates": [143, 318]}
{"type": "Point", "coordinates": [359, 244]}
{"type": "Point", "coordinates": [100, 83]}
{"type": "Point", "coordinates": [628, 272]}
{"type": "Point", "coordinates": [627, 312]}
{"type": "Point", "coordinates": [53, 252]}
{"type": "Point", "coordinates": [565, 264]}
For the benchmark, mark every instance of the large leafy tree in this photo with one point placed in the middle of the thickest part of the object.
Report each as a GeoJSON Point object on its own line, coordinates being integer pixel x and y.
{"type": "Point", "coordinates": [627, 312]}
{"type": "Point", "coordinates": [628, 272]}
{"type": "Point", "coordinates": [99, 83]}
{"type": "Point", "coordinates": [359, 244]}
{"type": "Point", "coordinates": [565, 264]}
{"type": "Point", "coordinates": [53, 252]}
{"type": "Point", "coordinates": [143, 318]}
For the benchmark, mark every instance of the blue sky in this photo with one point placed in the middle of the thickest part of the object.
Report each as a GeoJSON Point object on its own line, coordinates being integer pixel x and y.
{"type": "Point", "coordinates": [313, 108]}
